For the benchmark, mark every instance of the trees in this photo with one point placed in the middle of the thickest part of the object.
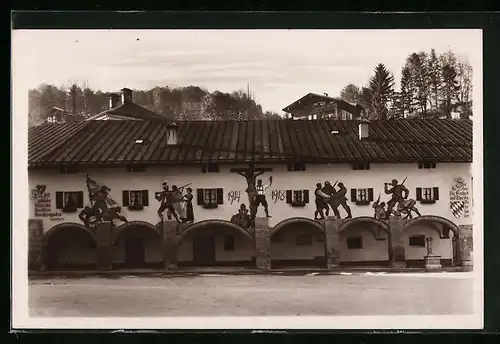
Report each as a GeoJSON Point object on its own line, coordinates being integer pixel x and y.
{"type": "Point", "coordinates": [449, 89]}
{"type": "Point", "coordinates": [406, 93]}
{"type": "Point", "coordinates": [434, 70]}
{"type": "Point", "coordinates": [418, 66]}
{"type": "Point", "coordinates": [351, 93]}
{"type": "Point", "coordinates": [381, 88]}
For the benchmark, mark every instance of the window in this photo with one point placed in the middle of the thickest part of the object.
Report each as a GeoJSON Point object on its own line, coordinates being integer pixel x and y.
{"type": "Point", "coordinates": [361, 165]}
{"type": "Point", "coordinates": [210, 167]}
{"type": "Point", "coordinates": [426, 165]}
{"type": "Point", "coordinates": [297, 198]}
{"type": "Point", "coordinates": [229, 243]}
{"type": "Point", "coordinates": [304, 240]}
{"type": "Point", "coordinates": [296, 167]}
{"type": "Point", "coordinates": [136, 168]}
{"type": "Point", "coordinates": [210, 198]}
{"type": "Point", "coordinates": [362, 196]}
{"type": "Point", "coordinates": [427, 195]}
{"type": "Point", "coordinates": [69, 201]}
{"type": "Point", "coordinates": [355, 243]}
{"type": "Point", "coordinates": [417, 241]}
{"type": "Point", "coordinates": [135, 199]}
{"type": "Point", "coordinates": [344, 115]}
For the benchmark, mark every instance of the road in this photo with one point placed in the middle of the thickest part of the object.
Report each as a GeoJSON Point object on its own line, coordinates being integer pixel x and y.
{"type": "Point", "coordinates": [254, 295]}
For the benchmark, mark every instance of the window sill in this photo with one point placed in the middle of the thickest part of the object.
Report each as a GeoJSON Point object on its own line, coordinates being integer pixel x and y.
{"type": "Point", "coordinates": [135, 208]}
{"type": "Point", "coordinates": [363, 203]}
{"type": "Point", "coordinates": [297, 205]}
{"type": "Point", "coordinates": [210, 206]}
{"type": "Point", "coordinates": [427, 201]}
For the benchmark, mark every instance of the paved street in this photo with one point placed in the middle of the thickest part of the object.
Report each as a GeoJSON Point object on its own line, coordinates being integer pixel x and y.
{"type": "Point", "coordinates": [249, 295]}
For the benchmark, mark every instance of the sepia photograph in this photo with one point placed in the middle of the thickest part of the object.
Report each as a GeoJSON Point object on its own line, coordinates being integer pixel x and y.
{"type": "Point", "coordinates": [248, 178]}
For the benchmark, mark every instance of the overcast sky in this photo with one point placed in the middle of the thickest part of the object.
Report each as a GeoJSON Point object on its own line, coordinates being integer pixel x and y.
{"type": "Point", "coordinates": [279, 65]}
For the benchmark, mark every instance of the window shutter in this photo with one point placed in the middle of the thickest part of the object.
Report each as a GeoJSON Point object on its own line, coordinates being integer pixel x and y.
{"type": "Point", "coordinates": [289, 167]}
{"type": "Point", "coordinates": [435, 191]}
{"type": "Point", "coordinates": [419, 194]}
{"type": "Point", "coordinates": [370, 194]}
{"type": "Point", "coordinates": [220, 196]}
{"type": "Point", "coordinates": [126, 197]}
{"type": "Point", "coordinates": [145, 198]}
{"type": "Point", "coordinates": [305, 196]}
{"type": "Point", "coordinates": [199, 194]}
{"type": "Point", "coordinates": [353, 195]}
{"type": "Point", "coordinates": [288, 196]}
{"type": "Point", "coordinates": [59, 200]}
{"type": "Point", "coordinates": [80, 199]}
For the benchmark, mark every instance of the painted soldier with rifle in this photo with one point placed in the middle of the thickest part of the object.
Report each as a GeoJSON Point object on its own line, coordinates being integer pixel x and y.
{"type": "Point", "coordinates": [397, 191]}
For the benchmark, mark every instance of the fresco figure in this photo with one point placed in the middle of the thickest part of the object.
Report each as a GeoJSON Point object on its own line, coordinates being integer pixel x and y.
{"type": "Point", "coordinates": [102, 207]}
{"type": "Point", "coordinates": [188, 200]}
{"type": "Point", "coordinates": [167, 199]}
{"type": "Point", "coordinates": [407, 207]}
{"type": "Point", "coordinates": [321, 202]}
{"type": "Point", "coordinates": [379, 207]}
{"type": "Point", "coordinates": [261, 196]}
{"type": "Point", "coordinates": [242, 218]}
{"type": "Point", "coordinates": [250, 174]}
{"type": "Point", "coordinates": [396, 191]}
{"type": "Point", "coordinates": [339, 198]}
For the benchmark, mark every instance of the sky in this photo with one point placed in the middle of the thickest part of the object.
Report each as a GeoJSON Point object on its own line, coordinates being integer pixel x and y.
{"type": "Point", "coordinates": [279, 66]}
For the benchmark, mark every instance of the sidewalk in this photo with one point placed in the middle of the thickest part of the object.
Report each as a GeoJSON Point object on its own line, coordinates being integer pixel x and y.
{"type": "Point", "coordinates": [189, 272]}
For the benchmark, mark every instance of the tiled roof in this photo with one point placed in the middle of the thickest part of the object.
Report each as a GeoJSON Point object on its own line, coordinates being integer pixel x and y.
{"type": "Point", "coordinates": [114, 142]}
{"type": "Point", "coordinates": [131, 111]}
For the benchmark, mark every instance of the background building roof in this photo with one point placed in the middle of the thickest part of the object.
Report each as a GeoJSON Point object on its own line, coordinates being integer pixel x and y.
{"type": "Point", "coordinates": [116, 142]}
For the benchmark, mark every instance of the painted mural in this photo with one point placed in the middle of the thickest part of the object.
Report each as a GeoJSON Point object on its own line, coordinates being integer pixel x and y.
{"type": "Point", "coordinates": [102, 207]}
{"type": "Point", "coordinates": [399, 199]}
{"type": "Point", "coordinates": [327, 197]}
{"type": "Point", "coordinates": [242, 218]}
{"type": "Point", "coordinates": [459, 198]}
{"type": "Point", "coordinates": [255, 190]}
{"type": "Point", "coordinates": [177, 204]}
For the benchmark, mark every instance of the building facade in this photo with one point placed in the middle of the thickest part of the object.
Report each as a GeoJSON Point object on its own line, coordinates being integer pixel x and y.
{"type": "Point", "coordinates": [395, 192]}
{"type": "Point", "coordinates": [314, 106]}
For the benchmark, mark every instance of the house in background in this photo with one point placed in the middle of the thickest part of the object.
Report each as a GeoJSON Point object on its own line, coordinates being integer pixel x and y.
{"type": "Point", "coordinates": [121, 107]}
{"type": "Point", "coordinates": [431, 159]}
{"type": "Point", "coordinates": [314, 106]}
{"type": "Point", "coordinates": [58, 115]}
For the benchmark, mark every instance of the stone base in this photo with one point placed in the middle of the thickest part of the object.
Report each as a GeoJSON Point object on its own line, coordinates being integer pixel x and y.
{"type": "Point", "coordinates": [433, 263]}
{"type": "Point", "coordinates": [467, 265]}
{"type": "Point", "coordinates": [332, 266]}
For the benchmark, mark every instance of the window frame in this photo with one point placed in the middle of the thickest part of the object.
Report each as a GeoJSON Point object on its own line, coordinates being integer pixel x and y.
{"type": "Point", "coordinates": [64, 200]}
{"type": "Point", "coordinates": [418, 237]}
{"type": "Point", "coordinates": [296, 167]}
{"type": "Point", "coordinates": [361, 165]}
{"type": "Point", "coordinates": [426, 165]}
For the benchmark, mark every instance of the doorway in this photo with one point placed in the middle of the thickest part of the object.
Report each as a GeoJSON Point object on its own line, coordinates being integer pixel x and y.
{"type": "Point", "coordinates": [204, 250]}
{"type": "Point", "coordinates": [135, 252]}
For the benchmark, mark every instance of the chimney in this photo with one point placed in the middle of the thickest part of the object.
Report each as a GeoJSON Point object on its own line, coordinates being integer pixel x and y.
{"type": "Point", "coordinates": [172, 138]}
{"type": "Point", "coordinates": [113, 100]}
{"type": "Point", "coordinates": [363, 130]}
{"type": "Point", "coordinates": [126, 95]}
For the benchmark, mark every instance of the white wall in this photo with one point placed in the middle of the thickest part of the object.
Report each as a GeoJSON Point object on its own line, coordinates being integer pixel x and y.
{"type": "Point", "coordinates": [373, 250]}
{"type": "Point", "coordinates": [287, 249]}
{"type": "Point", "coordinates": [118, 179]}
{"type": "Point", "coordinates": [243, 246]}
{"type": "Point", "coordinates": [440, 247]}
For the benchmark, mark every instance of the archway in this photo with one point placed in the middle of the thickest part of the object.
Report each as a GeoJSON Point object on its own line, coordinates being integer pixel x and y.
{"type": "Point", "coordinates": [364, 241]}
{"type": "Point", "coordinates": [213, 243]}
{"type": "Point", "coordinates": [298, 242]}
{"type": "Point", "coordinates": [443, 235]}
{"type": "Point", "coordinates": [69, 245]}
{"type": "Point", "coordinates": [137, 244]}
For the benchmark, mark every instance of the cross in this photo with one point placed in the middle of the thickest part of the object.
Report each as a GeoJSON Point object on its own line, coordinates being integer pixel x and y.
{"type": "Point", "coordinates": [250, 173]}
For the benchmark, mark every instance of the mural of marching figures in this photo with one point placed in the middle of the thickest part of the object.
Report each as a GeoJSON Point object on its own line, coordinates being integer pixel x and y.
{"type": "Point", "coordinates": [177, 204]}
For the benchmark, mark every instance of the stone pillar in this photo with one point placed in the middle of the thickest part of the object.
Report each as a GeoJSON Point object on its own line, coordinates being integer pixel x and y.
{"type": "Point", "coordinates": [35, 244]}
{"type": "Point", "coordinates": [104, 237]}
{"type": "Point", "coordinates": [262, 243]}
{"type": "Point", "coordinates": [169, 244]}
{"type": "Point", "coordinates": [396, 248]}
{"type": "Point", "coordinates": [465, 246]}
{"type": "Point", "coordinates": [332, 242]}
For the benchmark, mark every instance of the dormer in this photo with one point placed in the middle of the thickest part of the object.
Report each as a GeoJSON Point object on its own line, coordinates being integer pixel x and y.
{"type": "Point", "coordinates": [172, 135]}
{"type": "Point", "coordinates": [363, 130]}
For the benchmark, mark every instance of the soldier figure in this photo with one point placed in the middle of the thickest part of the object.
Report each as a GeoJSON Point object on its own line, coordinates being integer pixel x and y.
{"type": "Point", "coordinates": [397, 191]}
{"type": "Point", "coordinates": [339, 198]}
